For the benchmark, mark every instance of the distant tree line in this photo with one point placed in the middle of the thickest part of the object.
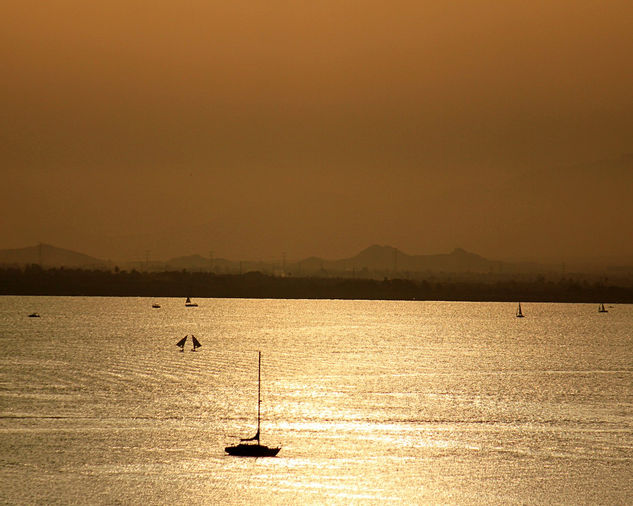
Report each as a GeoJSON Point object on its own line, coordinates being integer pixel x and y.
{"type": "Point", "coordinates": [34, 280]}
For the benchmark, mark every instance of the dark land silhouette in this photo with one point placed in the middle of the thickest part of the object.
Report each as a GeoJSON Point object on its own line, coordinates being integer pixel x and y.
{"type": "Point", "coordinates": [374, 262]}
{"type": "Point", "coordinates": [34, 280]}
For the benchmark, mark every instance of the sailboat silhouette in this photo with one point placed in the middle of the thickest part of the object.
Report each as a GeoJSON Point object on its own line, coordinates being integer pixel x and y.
{"type": "Point", "coordinates": [519, 312]}
{"type": "Point", "coordinates": [254, 449]}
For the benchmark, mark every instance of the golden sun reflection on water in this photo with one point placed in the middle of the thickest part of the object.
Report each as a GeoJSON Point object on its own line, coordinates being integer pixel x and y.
{"type": "Point", "coordinates": [370, 401]}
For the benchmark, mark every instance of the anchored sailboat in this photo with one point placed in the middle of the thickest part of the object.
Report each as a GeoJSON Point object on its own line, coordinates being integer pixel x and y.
{"type": "Point", "coordinates": [519, 312]}
{"type": "Point", "coordinates": [181, 343]}
{"type": "Point", "coordinates": [254, 449]}
{"type": "Point", "coordinates": [196, 343]}
{"type": "Point", "coordinates": [602, 309]}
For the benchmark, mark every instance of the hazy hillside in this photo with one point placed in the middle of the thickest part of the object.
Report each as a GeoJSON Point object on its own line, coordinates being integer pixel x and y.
{"type": "Point", "coordinates": [390, 259]}
{"type": "Point", "coordinates": [387, 257]}
{"type": "Point", "coordinates": [48, 256]}
{"type": "Point", "coordinates": [195, 262]}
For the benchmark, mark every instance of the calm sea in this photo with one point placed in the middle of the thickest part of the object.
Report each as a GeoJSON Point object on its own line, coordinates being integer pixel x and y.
{"type": "Point", "coordinates": [371, 402]}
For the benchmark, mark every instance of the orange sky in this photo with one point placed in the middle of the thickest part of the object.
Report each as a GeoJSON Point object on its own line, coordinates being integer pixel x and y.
{"type": "Point", "coordinates": [252, 128]}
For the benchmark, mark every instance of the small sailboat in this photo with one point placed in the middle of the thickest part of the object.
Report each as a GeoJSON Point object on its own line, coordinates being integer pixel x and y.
{"type": "Point", "coordinates": [250, 446]}
{"type": "Point", "coordinates": [181, 343]}
{"type": "Point", "coordinates": [519, 312]}
{"type": "Point", "coordinates": [188, 303]}
{"type": "Point", "coordinates": [196, 343]}
{"type": "Point", "coordinates": [602, 309]}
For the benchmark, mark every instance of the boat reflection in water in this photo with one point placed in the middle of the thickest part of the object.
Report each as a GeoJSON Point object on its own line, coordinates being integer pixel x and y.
{"type": "Point", "coordinates": [251, 447]}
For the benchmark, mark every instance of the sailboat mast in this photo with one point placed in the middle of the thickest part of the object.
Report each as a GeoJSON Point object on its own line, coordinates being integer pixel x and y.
{"type": "Point", "coordinates": [259, 392]}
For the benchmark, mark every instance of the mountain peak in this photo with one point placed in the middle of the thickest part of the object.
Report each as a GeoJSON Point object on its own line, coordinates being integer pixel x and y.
{"type": "Point", "coordinates": [49, 256]}
{"type": "Point", "coordinates": [378, 248]}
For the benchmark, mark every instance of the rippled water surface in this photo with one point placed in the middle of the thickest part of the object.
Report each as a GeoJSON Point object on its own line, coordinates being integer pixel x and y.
{"type": "Point", "coordinates": [371, 402]}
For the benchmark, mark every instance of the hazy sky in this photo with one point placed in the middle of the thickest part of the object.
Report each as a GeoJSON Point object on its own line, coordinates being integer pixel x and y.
{"type": "Point", "coordinates": [255, 128]}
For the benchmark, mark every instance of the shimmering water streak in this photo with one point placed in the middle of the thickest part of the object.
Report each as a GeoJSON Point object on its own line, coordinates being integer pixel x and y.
{"type": "Point", "coordinates": [371, 401]}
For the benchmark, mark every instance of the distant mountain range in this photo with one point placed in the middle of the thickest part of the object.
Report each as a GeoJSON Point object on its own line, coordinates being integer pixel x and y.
{"type": "Point", "coordinates": [373, 262]}
{"type": "Point", "coordinates": [390, 259]}
{"type": "Point", "coordinates": [374, 259]}
{"type": "Point", "coordinates": [382, 258]}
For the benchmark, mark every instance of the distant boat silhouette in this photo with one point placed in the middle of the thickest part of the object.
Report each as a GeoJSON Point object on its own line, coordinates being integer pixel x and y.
{"type": "Point", "coordinates": [196, 343]}
{"type": "Point", "coordinates": [156, 306]}
{"type": "Point", "coordinates": [181, 343]}
{"type": "Point", "coordinates": [188, 303]}
{"type": "Point", "coordinates": [519, 312]}
{"type": "Point", "coordinates": [34, 315]}
{"type": "Point", "coordinates": [602, 309]}
{"type": "Point", "coordinates": [254, 449]}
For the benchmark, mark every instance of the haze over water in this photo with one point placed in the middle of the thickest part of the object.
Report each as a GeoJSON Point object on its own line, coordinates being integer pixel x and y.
{"type": "Point", "coordinates": [406, 402]}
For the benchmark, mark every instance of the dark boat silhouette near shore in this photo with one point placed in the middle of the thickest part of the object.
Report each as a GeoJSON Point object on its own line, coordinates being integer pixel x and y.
{"type": "Point", "coordinates": [251, 447]}
{"type": "Point", "coordinates": [188, 303]}
{"type": "Point", "coordinates": [519, 312]}
{"type": "Point", "coordinates": [602, 309]}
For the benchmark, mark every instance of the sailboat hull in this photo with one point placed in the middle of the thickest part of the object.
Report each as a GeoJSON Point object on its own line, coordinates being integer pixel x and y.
{"type": "Point", "coordinates": [255, 450]}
